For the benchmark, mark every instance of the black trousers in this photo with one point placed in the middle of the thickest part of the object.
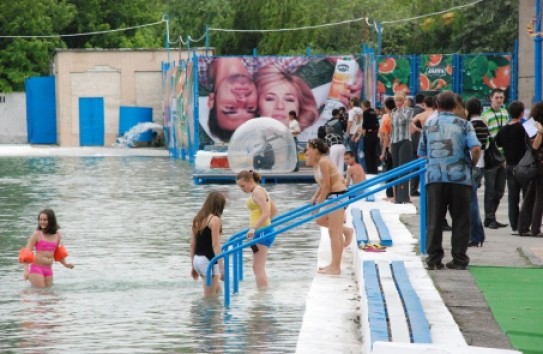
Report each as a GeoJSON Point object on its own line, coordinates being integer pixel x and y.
{"type": "Point", "coordinates": [455, 197]}
{"type": "Point", "coordinates": [371, 152]}
{"type": "Point", "coordinates": [531, 211]}
{"type": "Point", "coordinates": [513, 197]}
{"type": "Point", "coordinates": [401, 154]}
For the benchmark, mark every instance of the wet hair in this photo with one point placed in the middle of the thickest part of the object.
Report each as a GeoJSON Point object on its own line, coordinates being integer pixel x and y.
{"type": "Point", "coordinates": [429, 101]}
{"type": "Point", "coordinates": [390, 103]}
{"type": "Point", "coordinates": [215, 128]}
{"type": "Point", "coordinates": [474, 108]}
{"type": "Point", "coordinates": [446, 101]}
{"type": "Point", "coordinates": [213, 205]}
{"type": "Point", "coordinates": [248, 175]}
{"type": "Point", "coordinates": [308, 113]}
{"type": "Point", "coordinates": [349, 153]}
{"type": "Point", "coordinates": [515, 109]}
{"type": "Point", "coordinates": [419, 98]}
{"type": "Point", "coordinates": [537, 112]}
{"type": "Point", "coordinates": [52, 225]}
{"type": "Point", "coordinates": [319, 145]}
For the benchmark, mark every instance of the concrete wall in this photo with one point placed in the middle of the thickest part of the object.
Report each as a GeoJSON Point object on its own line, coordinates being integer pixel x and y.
{"type": "Point", "coordinates": [525, 53]}
{"type": "Point", "coordinates": [123, 77]}
{"type": "Point", "coordinates": [13, 118]}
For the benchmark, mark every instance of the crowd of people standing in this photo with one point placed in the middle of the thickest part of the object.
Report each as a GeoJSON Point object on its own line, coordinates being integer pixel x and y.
{"type": "Point", "coordinates": [453, 137]}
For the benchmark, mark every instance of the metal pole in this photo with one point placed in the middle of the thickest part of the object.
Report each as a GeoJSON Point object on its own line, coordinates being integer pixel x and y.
{"type": "Point", "coordinates": [379, 37]}
{"type": "Point", "coordinates": [422, 211]}
{"type": "Point", "coordinates": [207, 38]}
{"type": "Point", "coordinates": [537, 53]}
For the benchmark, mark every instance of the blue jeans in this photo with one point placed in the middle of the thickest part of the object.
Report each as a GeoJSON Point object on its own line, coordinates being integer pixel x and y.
{"type": "Point", "coordinates": [477, 232]}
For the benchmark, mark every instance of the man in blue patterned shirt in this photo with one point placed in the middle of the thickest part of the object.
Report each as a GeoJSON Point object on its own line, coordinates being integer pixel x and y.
{"type": "Point", "coordinates": [452, 149]}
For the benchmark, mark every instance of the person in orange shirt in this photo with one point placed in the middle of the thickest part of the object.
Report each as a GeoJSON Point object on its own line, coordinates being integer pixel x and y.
{"type": "Point", "coordinates": [385, 128]}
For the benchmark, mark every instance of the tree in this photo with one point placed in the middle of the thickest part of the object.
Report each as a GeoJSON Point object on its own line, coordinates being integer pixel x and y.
{"type": "Point", "coordinates": [25, 57]}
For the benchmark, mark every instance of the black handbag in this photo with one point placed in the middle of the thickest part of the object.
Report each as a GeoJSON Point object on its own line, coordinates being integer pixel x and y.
{"type": "Point", "coordinates": [526, 169]}
{"type": "Point", "coordinates": [493, 155]}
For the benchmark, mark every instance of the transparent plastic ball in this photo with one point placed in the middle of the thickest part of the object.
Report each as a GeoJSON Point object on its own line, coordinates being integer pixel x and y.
{"type": "Point", "coordinates": [264, 145]}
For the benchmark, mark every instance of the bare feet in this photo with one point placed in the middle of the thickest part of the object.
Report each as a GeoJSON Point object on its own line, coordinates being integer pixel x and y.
{"type": "Point", "coordinates": [347, 236]}
{"type": "Point", "coordinates": [330, 271]}
{"type": "Point", "coordinates": [325, 267]}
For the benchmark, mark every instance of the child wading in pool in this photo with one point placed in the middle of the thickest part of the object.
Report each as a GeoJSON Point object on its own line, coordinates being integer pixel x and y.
{"type": "Point", "coordinates": [38, 267]}
{"type": "Point", "coordinates": [205, 242]}
{"type": "Point", "coordinates": [261, 209]}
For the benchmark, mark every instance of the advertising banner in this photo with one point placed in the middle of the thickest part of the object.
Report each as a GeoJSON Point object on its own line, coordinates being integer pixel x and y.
{"type": "Point", "coordinates": [394, 75]}
{"type": "Point", "coordinates": [435, 73]}
{"type": "Point", "coordinates": [233, 90]}
{"type": "Point", "coordinates": [484, 72]}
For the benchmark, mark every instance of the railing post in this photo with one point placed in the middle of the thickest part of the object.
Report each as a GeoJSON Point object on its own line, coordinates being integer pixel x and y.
{"type": "Point", "coordinates": [422, 202]}
{"type": "Point", "coordinates": [227, 281]}
{"type": "Point", "coordinates": [235, 257]}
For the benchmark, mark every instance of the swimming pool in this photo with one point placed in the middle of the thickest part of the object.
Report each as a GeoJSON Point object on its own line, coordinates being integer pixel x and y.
{"type": "Point", "coordinates": [126, 223]}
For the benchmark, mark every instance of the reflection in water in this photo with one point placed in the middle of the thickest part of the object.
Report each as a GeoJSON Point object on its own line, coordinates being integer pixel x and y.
{"type": "Point", "coordinates": [207, 325]}
{"type": "Point", "coordinates": [41, 318]}
{"type": "Point", "coordinates": [126, 222]}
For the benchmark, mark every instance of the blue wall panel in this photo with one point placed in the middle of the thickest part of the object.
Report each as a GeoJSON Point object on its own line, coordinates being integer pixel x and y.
{"type": "Point", "coordinates": [41, 114]}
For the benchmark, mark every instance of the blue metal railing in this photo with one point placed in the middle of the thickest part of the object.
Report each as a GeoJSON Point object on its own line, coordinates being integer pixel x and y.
{"type": "Point", "coordinates": [307, 212]}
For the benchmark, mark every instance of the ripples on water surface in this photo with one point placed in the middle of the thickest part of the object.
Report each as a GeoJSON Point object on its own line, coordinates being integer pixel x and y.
{"type": "Point", "coordinates": [126, 223]}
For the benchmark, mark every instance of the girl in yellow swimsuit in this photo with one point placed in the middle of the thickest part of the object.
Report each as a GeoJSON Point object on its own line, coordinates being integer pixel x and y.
{"type": "Point", "coordinates": [261, 209]}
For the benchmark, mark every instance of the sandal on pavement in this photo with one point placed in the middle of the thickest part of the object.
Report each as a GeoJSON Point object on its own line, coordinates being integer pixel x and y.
{"type": "Point", "coordinates": [373, 248]}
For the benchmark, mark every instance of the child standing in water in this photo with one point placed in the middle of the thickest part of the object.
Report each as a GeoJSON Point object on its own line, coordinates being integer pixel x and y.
{"type": "Point", "coordinates": [205, 242]}
{"type": "Point", "coordinates": [46, 240]}
{"type": "Point", "coordinates": [261, 209]}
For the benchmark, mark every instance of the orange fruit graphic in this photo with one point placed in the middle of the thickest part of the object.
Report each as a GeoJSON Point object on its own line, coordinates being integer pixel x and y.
{"type": "Point", "coordinates": [424, 82]}
{"type": "Point", "coordinates": [387, 65]}
{"type": "Point", "coordinates": [434, 59]}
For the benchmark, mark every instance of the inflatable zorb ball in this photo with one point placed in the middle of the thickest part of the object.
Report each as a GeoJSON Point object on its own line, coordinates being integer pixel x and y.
{"type": "Point", "coordinates": [263, 145]}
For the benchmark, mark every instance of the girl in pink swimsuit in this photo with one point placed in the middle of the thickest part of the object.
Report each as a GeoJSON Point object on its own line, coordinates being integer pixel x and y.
{"type": "Point", "coordinates": [45, 240]}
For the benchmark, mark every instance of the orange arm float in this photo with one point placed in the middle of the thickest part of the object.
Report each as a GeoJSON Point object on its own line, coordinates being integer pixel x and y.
{"type": "Point", "coordinates": [25, 256]}
{"type": "Point", "coordinates": [60, 253]}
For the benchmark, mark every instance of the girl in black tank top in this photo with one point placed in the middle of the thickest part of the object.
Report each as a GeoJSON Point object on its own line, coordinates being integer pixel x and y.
{"type": "Point", "coordinates": [205, 242]}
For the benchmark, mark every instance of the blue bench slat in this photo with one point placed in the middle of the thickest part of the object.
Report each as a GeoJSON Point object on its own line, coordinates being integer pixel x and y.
{"type": "Point", "coordinates": [359, 227]}
{"type": "Point", "coordinates": [420, 329]}
{"type": "Point", "coordinates": [376, 305]}
{"type": "Point", "coordinates": [370, 198]}
{"type": "Point", "coordinates": [382, 229]}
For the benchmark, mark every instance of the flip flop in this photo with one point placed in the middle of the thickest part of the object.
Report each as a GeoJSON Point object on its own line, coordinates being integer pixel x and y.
{"type": "Point", "coordinates": [373, 248]}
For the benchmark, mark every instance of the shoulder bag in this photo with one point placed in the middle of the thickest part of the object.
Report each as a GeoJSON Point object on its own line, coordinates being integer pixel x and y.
{"type": "Point", "coordinates": [526, 169]}
{"type": "Point", "coordinates": [493, 156]}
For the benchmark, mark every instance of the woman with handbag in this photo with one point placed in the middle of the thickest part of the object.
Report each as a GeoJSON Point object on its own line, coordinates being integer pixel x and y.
{"type": "Point", "coordinates": [531, 211]}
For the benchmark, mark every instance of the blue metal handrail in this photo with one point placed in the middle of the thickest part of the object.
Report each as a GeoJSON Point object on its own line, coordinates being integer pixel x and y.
{"type": "Point", "coordinates": [235, 245]}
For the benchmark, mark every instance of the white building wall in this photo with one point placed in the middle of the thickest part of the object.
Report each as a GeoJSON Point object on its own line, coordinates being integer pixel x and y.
{"type": "Point", "coordinates": [13, 118]}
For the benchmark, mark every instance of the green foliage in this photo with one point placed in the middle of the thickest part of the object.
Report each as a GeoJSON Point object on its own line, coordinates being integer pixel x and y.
{"type": "Point", "coordinates": [490, 26]}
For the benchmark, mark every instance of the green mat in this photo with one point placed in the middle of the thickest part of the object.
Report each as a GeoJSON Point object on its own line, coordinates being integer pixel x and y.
{"type": "Point", "coordinates": [515, 296]}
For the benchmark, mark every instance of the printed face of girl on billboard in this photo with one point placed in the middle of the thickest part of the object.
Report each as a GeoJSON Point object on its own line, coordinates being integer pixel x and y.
{"type": "Point", "coordinates": [277, 100]}
{"type": "Point", "coordinates": [235, 100]}
{"type": "Point", "coordinates": [281, 92]}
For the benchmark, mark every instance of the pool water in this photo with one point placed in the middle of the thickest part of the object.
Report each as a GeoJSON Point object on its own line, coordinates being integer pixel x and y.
{"type": "Point", "coordinates": [126, 224]}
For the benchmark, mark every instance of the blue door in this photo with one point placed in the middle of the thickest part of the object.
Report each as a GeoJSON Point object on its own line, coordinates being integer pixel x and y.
{"type": "Point", "coordinates": [41, 115]}
{"type": "Point", "coordinates": [91, 121]}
